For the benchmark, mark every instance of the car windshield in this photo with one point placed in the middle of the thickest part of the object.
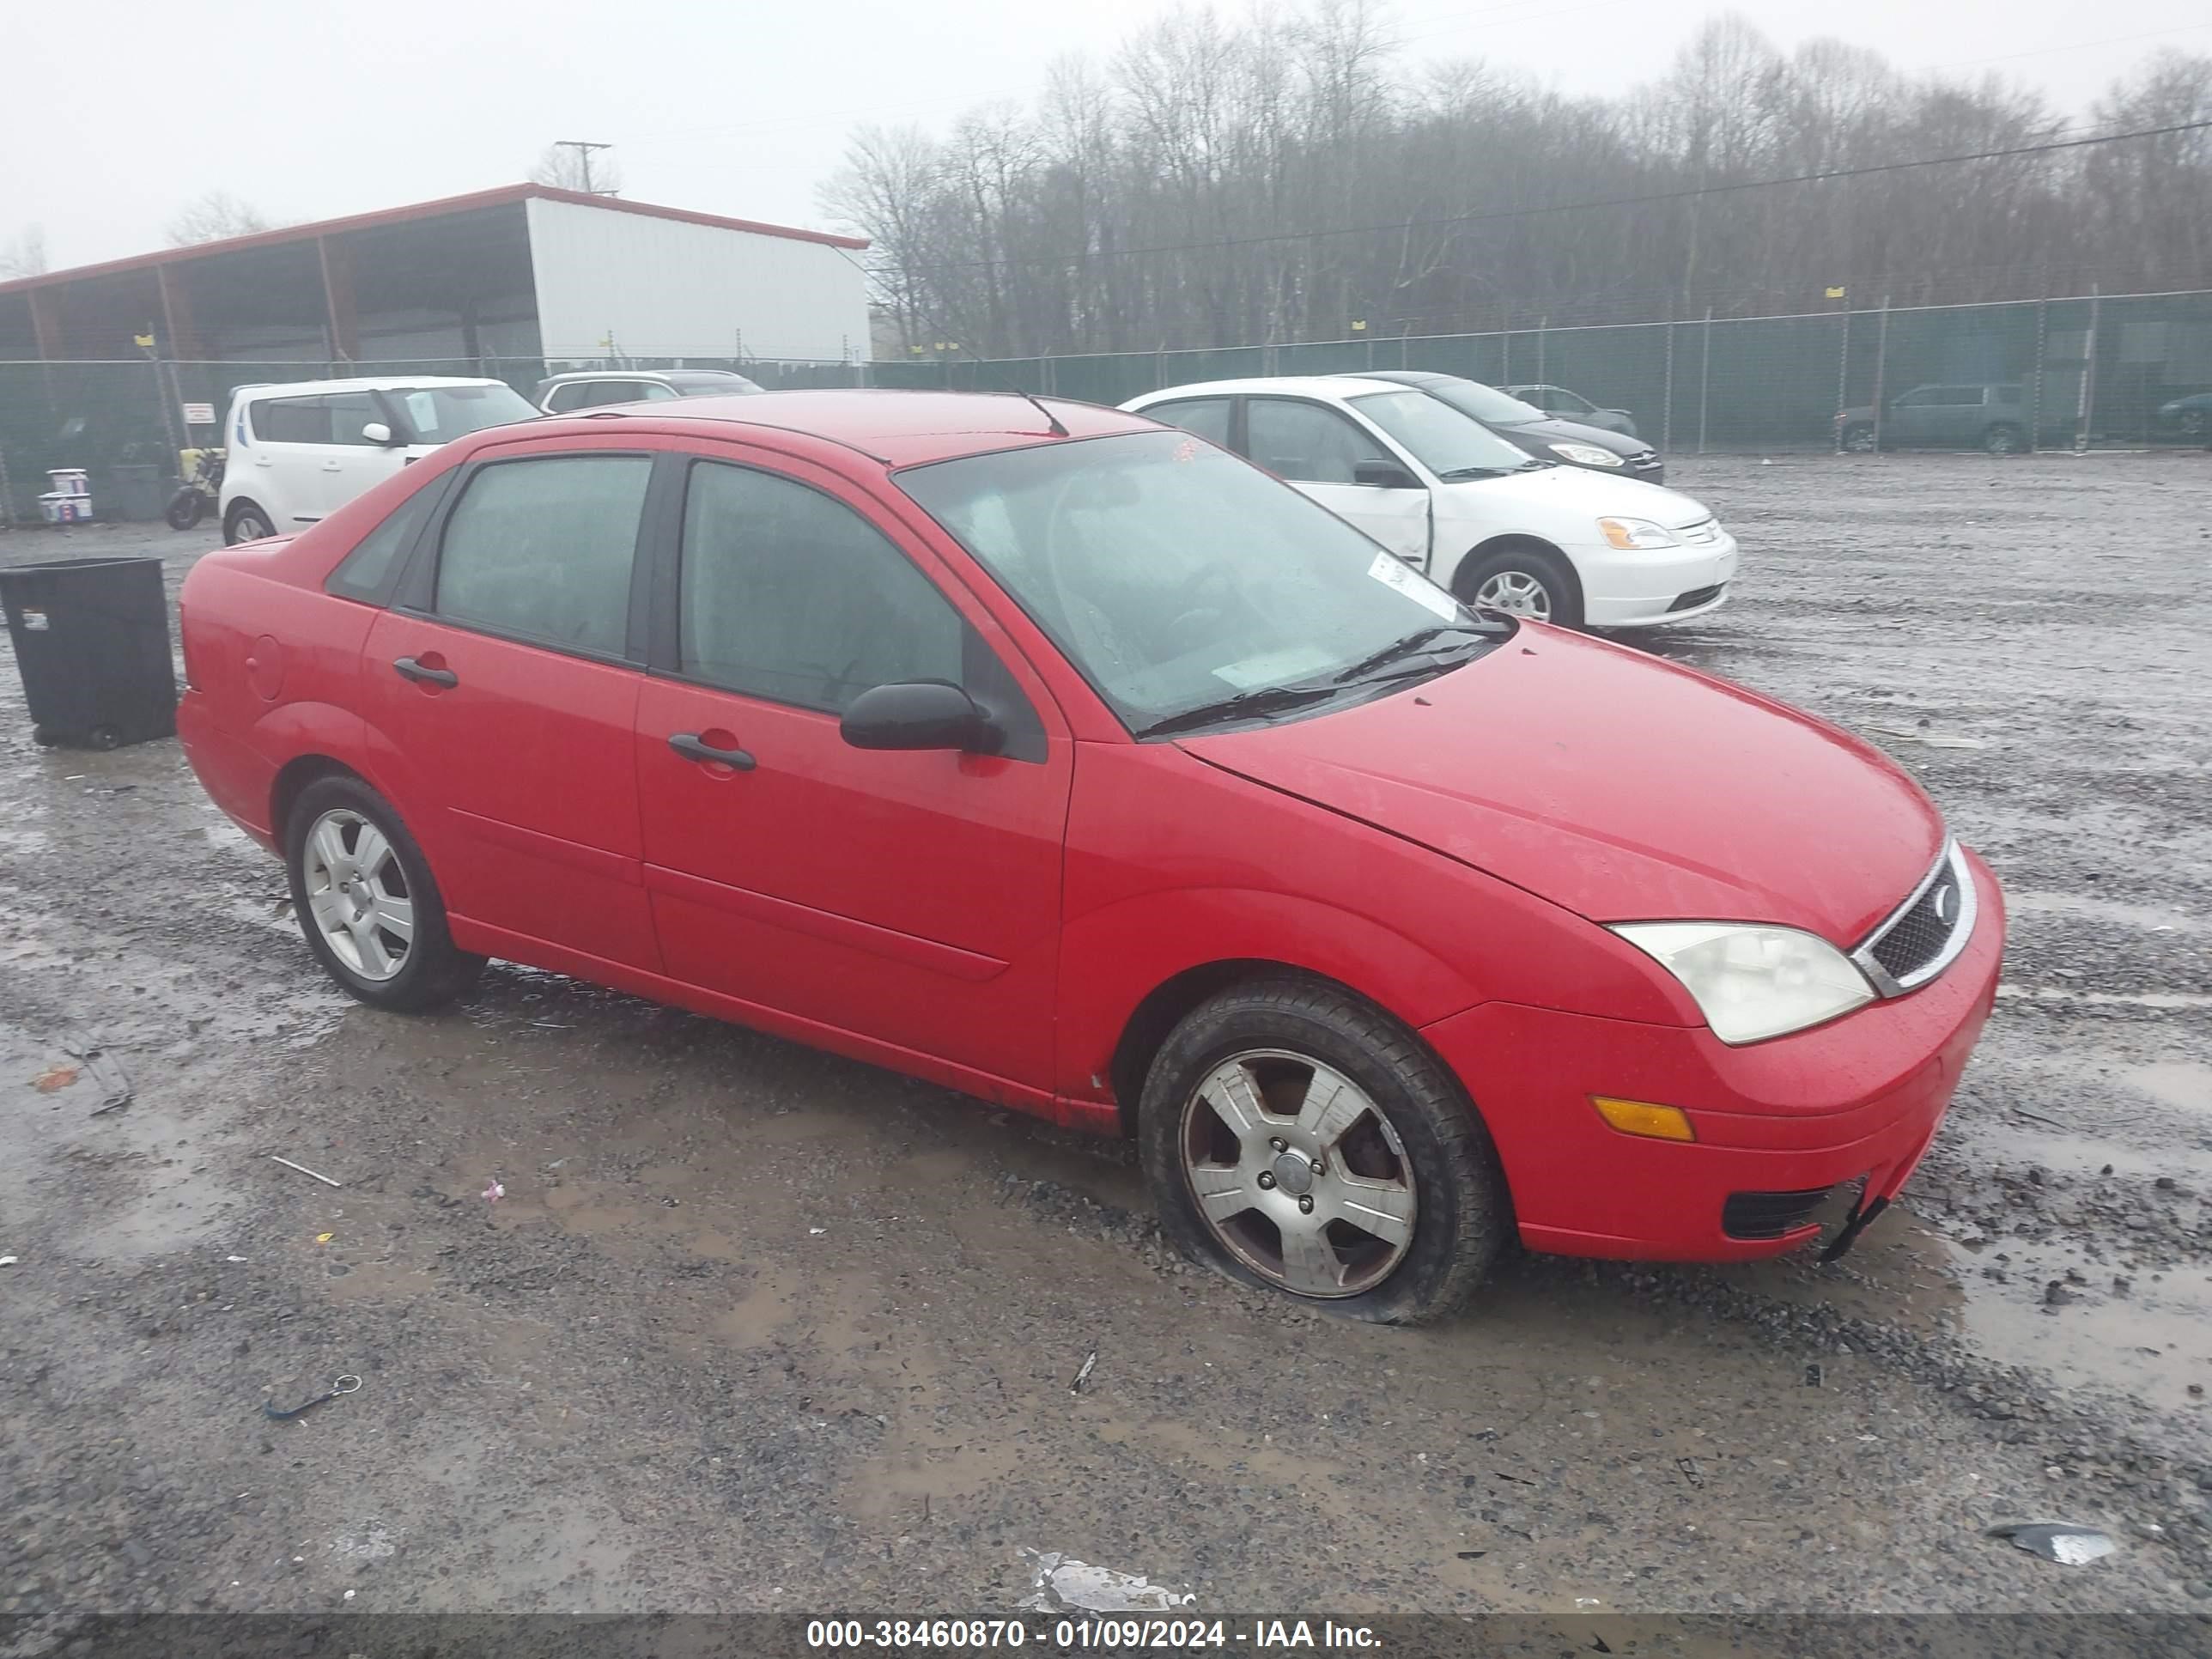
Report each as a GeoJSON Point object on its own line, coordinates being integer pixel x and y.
{"type": "Point", "coordinates": [1188, 586]}
{"type": "Point", "coordinates": [439, 414]}
{"type": "Point", "coordinates": [1443, 440]}
{"type": "Point", "coordinates": [1484, 403]}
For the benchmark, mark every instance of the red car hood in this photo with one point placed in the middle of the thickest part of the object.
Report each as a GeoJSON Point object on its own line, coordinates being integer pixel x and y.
{"type": "Point", "coordinates": [1618, 785]}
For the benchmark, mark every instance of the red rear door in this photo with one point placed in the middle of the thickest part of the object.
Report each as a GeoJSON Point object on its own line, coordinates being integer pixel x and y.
{"type": "Point", "coordinates": [911, 898]}
{"type": "Point", "coordinates": [502, 683]}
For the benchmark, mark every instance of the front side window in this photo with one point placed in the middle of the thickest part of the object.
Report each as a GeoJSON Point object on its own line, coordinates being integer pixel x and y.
{"type": "Point", "coordinates": [543, 549]}
{"type": "Point", "coordinates": [1174, 577]}
{"type": "Point", "coordinates": [1573, 403]}
{"type": "Point", "coordinates": [790, 596]}
{"type": "Point", "coordinates": [1307, 442]}
{"type": "Point", "coordinates": [438, 415]}
{"type": "Point", "coordinates": [349, 412]}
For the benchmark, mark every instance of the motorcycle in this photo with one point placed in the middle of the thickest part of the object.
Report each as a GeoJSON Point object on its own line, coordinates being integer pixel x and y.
{"type": "Point", "coordinates": [200, 490]}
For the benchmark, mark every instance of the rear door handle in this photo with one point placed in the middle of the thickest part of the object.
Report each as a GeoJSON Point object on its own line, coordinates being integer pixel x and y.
{"type": "Point", "coordinates": [408, 668]}
{"type": "Point", "coordinates": [687, 743]}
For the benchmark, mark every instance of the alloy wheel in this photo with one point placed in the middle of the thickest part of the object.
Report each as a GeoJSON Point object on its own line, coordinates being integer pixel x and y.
{"type": "Point", "coordinates": [357, 894]}
{"type": "Point", "coordinates": [1298, 1174]}
{"type": "Point", "coordinates": [1517, 593]}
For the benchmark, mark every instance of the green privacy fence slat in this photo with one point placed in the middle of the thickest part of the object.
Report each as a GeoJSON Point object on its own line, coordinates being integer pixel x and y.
{"type": "Point", "coordinates": [2093, 371]}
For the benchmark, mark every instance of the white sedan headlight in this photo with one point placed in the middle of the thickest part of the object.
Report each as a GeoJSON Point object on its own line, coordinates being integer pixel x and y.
{"type": "Point", "coordinates": [1585, 454]}
{"type": "Point", "coordinates": [1751, 983]}
{"type": "Point", "coordinates": [1635, 533]}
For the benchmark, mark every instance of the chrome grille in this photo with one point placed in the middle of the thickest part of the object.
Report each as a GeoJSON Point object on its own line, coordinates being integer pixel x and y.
{"type": "Point", "coordinates": [1698, 534]}
{"type": "Point", "coordinates": [1924, 935]}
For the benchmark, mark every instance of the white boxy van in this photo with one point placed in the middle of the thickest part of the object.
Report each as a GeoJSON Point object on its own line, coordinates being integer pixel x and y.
{"type": "Point", "coordinates": [299, 451]}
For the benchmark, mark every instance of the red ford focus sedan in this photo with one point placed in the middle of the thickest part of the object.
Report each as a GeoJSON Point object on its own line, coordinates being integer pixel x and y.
{"type": "Point", "coordinates": [1071, 762]}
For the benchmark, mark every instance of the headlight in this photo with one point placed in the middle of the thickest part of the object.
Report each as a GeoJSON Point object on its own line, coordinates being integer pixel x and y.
{"type": "Point", "coordinates": [1585, 454]}
{"type": "Point", "coordinates": [1635, 533]}
{"type": "Point", "coordinates": [1751, 983]}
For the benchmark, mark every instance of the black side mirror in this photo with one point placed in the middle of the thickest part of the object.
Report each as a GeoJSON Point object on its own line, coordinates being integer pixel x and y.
{"type": "Point", "coordinates": [1383, 474]}
{"type": "Point", "coordinates": [919, 715]}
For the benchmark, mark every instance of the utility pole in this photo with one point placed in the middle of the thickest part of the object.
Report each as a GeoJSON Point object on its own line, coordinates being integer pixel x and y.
{"type": "Point", "coordinates": [583, 157]}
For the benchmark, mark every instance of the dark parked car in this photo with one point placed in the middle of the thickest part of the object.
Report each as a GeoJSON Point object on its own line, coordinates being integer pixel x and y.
{"type": "Point", "coordinates": [1992, 417]}
{"type": "Point", "coordinates": [2192, 416]}
{"type": "Point", "coordinates": [1562, 405]}
{"type": "Point", "coordinates": [1528, 428]}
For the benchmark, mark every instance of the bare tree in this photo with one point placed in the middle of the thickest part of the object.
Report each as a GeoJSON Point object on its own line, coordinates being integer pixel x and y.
{"type": "Point", "coordinates": [1283, 175]}
{"type": "Point", "coordinates": [570, 166]}
{"type": "Point", "coordinates": [214, 217]}
{"type": "Point", "coordinates": [25, 253]}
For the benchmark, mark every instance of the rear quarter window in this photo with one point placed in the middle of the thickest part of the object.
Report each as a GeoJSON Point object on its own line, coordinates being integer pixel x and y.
{"type": "Point", "coordinates": [370, 571]}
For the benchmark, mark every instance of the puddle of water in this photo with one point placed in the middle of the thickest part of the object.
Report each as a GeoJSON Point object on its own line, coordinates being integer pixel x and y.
{"type": "Point", "coordinates": [2105, 999]}
{"type": "Point", "coordinates": [2099, 909]}
{"type": "Point", "coordinates": [2179, 1083]}
{"type": "Point", "coordinates": [2151, 1342]}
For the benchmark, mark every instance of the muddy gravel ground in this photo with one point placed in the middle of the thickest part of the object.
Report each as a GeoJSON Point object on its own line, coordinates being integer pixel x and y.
{"type": "Point", "coordinates": [756, 1329]}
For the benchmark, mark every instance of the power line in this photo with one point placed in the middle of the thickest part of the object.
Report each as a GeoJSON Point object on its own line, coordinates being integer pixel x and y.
{"type": "Point", "coordinates": [2044, 148]}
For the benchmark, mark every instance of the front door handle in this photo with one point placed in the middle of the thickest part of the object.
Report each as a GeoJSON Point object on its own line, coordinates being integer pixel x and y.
{"type": "Point", "coordinates": [408, 668]}
{"type": "Point", "coordinates": [689, 744]}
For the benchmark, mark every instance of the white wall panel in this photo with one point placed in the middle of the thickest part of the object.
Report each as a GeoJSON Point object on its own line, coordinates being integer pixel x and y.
{"type": "Point", "coordinates": [667, 288]}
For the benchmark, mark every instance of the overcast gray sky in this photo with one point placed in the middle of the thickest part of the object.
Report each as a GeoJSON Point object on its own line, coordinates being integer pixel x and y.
{"type": "Point", "coordinates": [119, 111]}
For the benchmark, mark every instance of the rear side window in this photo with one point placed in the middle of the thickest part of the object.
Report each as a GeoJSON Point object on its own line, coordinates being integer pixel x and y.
{"type": "Point", "coordinates": [366, 573]}
{"type": "Point", "coordinates": [792, 596]}
{"type": "Point", "coordinates": [543, 547]}
{"type": "Point", "coordinates": [292, 420]}
{"type": "Point", "coordinates": [1208, 417]}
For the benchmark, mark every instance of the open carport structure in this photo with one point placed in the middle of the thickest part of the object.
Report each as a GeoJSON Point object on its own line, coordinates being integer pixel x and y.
{"type": "Point", "coordinates": [524, 270]}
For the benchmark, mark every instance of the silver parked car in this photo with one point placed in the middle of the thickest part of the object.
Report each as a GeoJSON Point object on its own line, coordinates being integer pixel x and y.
{"type": "Point", "coordinates": [591, 387]}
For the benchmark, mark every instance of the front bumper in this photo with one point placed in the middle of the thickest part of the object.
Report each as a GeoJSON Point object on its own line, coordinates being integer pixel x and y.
{"type": "Point", "coordinates": [1625, 589]}
{"type": "Point", "coordinates": [1861, 1096]}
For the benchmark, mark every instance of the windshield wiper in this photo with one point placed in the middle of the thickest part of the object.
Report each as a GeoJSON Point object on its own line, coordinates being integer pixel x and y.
{"type": "Point", "coordinates": [1419, 640]}
{"type": "Point", "coordinates": [1260, 700]}
{"type": "Point", "coordinates": [1460, 474]}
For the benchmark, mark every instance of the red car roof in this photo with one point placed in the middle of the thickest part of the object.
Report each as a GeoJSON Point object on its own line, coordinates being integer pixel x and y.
{"type": "Point", "coordinates": [902, 428]}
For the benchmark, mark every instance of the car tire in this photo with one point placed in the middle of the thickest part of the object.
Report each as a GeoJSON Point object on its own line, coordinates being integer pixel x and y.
{"type": "Point", "coordinates": [1396, 1138]}
{"type": "Point", "coordinates": [2004, 439]}
{"type": "Point", "coordinates": [1857, 439]}
{"type": "Point", "coordinates": [366, 903]}
{"type": "Point", "coordinates": [1524, 578]}
{"type": "Point", "coordinates": [2196, 423]}
{"type": "Point", "coordinates": [245, 522]}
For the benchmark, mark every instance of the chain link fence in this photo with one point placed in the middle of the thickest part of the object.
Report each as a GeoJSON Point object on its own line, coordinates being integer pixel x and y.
{"type": "Point", "coordinates": [2083, 372]}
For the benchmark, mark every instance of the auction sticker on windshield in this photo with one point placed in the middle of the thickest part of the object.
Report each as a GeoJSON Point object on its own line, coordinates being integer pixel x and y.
{"type": "Point", "coordinates": [1394, 571]}
{"type": "Point", "coordinates": [1275, 667]}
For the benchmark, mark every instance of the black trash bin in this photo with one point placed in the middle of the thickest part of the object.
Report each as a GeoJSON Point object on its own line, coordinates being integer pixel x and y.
{"type": "Point", "coordinates": [92, 643]}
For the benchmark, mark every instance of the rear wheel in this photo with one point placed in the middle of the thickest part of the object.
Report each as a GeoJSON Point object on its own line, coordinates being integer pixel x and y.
{"type": "Point", "coordinates": [185, 508]}
{"type": "Point", "coordinates": [2004, 439]}
{"type": "Point", "coordinates": [1522, 579]}
{"type": "Point", "coordinates": [366, 900]}
{"type": "Point", "coordinates": [1297, 1138]}
{"type": "Point", "coordinates": [245, 522]}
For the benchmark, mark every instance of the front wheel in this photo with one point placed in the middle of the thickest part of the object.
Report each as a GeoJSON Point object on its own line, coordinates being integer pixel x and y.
{"type": "Point", "coordinates": [1522, 582]}
{"type": "Point", "coordinates": [1858, 439]}
{"type": "Point", "coordinates": [1297, 1138]}
{"type": "Point", "coordinates": [366, 903]}
{"type": "Point", "coordinates": [185, 508]}
{"type": "Point", "coordinates": [2196, 423]}
{"type": "Point", "coordinates": [2002, 440]}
